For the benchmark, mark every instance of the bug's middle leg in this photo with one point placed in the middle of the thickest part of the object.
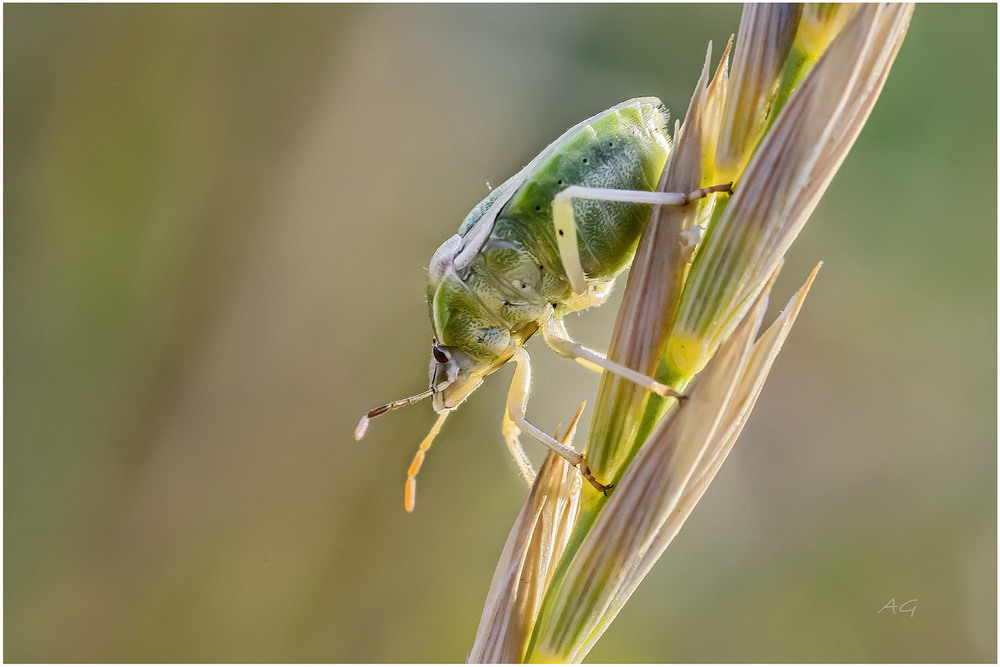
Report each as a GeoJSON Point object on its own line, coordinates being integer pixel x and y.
{"type": "Point", "coordinates": [556, 337]}
{"type": "Point", "coordinates": [515, 421]}
{"type": "Point", "coordinates": [565, 223]}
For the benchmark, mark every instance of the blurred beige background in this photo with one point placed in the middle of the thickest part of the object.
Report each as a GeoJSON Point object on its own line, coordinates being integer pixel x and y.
{"type": "Point", "coordinates": [216, 223]}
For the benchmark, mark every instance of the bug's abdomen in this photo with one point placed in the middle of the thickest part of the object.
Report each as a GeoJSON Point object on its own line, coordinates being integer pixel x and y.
{"type": "Point", "coordinates": [625, 148]}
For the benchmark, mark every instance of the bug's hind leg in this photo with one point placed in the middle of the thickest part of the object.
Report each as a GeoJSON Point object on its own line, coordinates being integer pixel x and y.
{"type": "Point", "coordinates": [554, 332]}
{"type": "Point", "coordinates": [515, 421]}
{"type": "Point", "coordinates": [565, 224]}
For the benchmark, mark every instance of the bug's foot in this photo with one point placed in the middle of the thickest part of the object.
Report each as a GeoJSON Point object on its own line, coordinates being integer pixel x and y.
{"type": "Point", "coordinates": [666, 392]}
{"type": "Point", "coordinates": [703, 192]}
{"type": "Point", "coordinates": [589, 476]}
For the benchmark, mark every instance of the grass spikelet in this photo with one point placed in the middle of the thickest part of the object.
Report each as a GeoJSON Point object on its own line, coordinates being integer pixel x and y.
{"type": "Point", "coordinates": [803, 83]}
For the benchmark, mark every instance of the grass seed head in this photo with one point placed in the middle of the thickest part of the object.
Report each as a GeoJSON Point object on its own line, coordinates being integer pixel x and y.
{"type": "Point", "coordinates": [780, 128]}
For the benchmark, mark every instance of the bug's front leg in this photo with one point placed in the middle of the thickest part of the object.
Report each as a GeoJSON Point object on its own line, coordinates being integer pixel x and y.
{"type": "Point", "coordinates": [510, 435]}
{"type": "Point", "coordinates": [555, 335]}
{"type": "Point", "coordinates": [565, 223]}
{"type": "Point", "coordinates": [515, 422]}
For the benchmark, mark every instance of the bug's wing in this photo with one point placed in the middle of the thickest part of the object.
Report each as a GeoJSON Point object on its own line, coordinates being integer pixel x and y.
{"type": "Point", "coordinates": [476, 238]}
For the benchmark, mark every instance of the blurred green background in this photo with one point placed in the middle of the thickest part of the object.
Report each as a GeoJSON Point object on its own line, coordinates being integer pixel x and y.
{"type": "Point", "coordinates": [216, 223]}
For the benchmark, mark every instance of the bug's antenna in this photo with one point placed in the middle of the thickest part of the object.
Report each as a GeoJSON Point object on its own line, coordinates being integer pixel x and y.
{"type": "Point", "coordinates": [359, 432]}
{"type": "Point", "coordinates": [410, 490]}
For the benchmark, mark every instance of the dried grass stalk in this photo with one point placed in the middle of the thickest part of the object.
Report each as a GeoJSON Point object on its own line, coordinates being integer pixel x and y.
{"type": "Point", "coordinates": [804, 81]}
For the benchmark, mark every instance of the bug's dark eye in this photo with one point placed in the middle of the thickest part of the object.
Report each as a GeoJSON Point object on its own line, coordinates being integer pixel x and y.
{"type": "Point", "coordinates": [439, 355]}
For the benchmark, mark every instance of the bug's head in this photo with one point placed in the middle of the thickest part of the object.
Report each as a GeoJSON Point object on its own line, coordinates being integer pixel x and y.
{"type": "Point", "coordinates": [453, 376]}
{"type": "Point", "coordinates": [468, 342]}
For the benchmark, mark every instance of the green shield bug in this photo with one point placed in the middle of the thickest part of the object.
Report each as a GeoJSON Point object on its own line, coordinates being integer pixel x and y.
{"type": "Point", "coordinates": [547, 242]}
